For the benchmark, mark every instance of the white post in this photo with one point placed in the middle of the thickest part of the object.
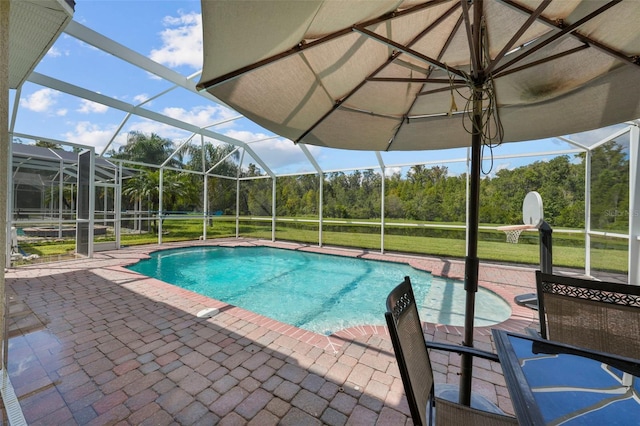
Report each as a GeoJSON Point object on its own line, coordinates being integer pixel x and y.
{"type": "Point", "coordinates": [320, 204]}
{"type": "Point", "coordinates": [117, 205]}
{"type": "Point", "coordinates": [382, 216]}
{"type": "Point", "coordinates": [634, 206]}
{"type": "Point", "coordinates": [10, 195]}
{"type": "Point", "coordinates": [9, 198]}
{"type": "Point", "coordinates": [238, 194]}
{"type": "Point", "coordinates": [60, 199]}
{"type": "Point", "coordinates": [92, 200]}
{"type": "Point", "coordinates": [320, 173]}
{"type": "Point", "coordinates": [205, 202]}
{"type": "Point", "coordinates": [466, 239]}
{"type": "Point", "coordinates": [382, 192]}
{"type": "Point", "coordinates": [61, 195]}
{"type": "Point", "coordinates": [105, 202]}
{"type": "Point", "coordinates": [137, 215]}
{"type": "Point", "coordinates": [587, 213]}
{"type": "Point", "coordinates": [205, 199]}
{"type": "Point", "coordinates": [160, 190]}
{"type": "Point", "coordinates": [273, 208]}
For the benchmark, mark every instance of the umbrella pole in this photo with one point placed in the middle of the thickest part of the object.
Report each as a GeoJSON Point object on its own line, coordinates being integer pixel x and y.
{"type": "Point", "coordinates": [471, 261]}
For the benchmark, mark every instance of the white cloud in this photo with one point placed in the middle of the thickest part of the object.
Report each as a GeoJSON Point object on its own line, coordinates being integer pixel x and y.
{"type": "Point", "coordinates": [90, 134]}
{"type": "Point", "coordinates": [279, 154]}
{"type": "Point", "coordinates": [181, 41]}
{"type": "Point", "coordinates": [390, 171]}
{"type": "Point", "coordinates": [496, 168]}
{"type": "Point", "coordinates": [87, 107]}
{"type": "Point", "coordinates": [54, 52]}
{"type": "Point", "coordinates": [141, 98]}
{"type": "Point", "coordinates": [62, 112]}
{"type": "Point", "coordinates": [246, 135]}
{"type": "Point", "coordinates": [223, 114]}
{"type": "Point", "coordinates": [201, 116]}
{"type": "Point", "coordinates": [40, 101]}
{"type": "Point", "coordinates": [163, 130]}
{"type": "Point", "coordinates": [118, 141]}
{"type": "Point", "coordinates": [502, 166]}
{"type": "Point", "coordinates": [84, 45]}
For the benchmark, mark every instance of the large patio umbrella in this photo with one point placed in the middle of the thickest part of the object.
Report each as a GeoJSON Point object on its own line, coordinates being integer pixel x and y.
{"type": "Point", "coordinates": [417, 75]}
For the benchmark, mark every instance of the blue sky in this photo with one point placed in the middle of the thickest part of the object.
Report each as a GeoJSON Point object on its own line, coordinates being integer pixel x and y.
{"type": "Point", "coordinates": [169, 32]}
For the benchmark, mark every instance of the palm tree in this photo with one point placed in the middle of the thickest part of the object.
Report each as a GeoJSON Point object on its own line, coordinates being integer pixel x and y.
{"type": "Point", "coordinates": [143, 185]}
{"type": "Point", "coordinates": [213, 154]}
{"type": "Point", "coordinates": [150, 149]}
{"type": "Point", "coordinates": [175, 190]}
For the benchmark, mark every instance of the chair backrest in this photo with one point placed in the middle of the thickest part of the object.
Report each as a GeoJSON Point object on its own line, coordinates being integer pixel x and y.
{"type": "Point", "coordinates": [406, 334]}
{"type": "Point", "coordinates": [599, 315]}
{"type": "Point", "coordinates": [412, 355]}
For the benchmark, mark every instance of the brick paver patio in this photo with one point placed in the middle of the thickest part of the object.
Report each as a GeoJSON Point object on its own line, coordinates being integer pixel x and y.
{"type": "Point", "coordinates": [93, 343]}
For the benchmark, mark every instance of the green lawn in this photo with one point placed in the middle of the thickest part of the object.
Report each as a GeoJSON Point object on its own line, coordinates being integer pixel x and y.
{"type": "Point", "coordinates": [568, 249]}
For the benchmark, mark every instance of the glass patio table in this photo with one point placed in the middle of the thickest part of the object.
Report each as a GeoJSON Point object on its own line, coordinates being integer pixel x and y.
{"type": "Point", "coordinates": [551, 383]}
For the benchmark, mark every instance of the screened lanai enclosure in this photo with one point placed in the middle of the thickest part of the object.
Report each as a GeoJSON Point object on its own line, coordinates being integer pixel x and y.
{"type": "Point", "coordinates": [219, 190]}
{"type": "Point", "coordinates": [47, 187]}
{"type": "Point", "coordinates": [85, 187]}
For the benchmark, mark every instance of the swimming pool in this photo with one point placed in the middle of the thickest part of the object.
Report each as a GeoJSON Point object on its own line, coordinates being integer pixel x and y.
{"type": "Point", "coordinates": [317, 292]}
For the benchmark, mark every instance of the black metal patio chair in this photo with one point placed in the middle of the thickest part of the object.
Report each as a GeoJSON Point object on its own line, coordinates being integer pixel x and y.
{"type": "Point", "coordinates": [423, 396]}
{"type": "Point", "coordinates": [599, 315]}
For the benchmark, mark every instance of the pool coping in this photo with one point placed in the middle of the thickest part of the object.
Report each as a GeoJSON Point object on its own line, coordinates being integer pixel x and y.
{"type": "Point", "coordinates": [496, 278]}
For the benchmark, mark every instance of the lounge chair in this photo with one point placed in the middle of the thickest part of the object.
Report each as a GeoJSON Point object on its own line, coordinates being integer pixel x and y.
{"type": "Point", "coordinates": [598, 315]}
{"type": "Point", "coordinates": [412, 355]}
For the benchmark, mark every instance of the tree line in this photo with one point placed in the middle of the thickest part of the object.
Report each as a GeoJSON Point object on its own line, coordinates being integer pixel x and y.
{"type": "Point", "coordinates": [422, 194]}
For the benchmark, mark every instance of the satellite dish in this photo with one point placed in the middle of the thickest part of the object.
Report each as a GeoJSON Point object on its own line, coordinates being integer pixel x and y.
{"type": "Point", "coordinates": [532, 210]}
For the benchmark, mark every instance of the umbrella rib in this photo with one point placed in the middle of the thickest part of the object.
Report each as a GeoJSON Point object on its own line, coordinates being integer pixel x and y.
{"type": "Point", "coordinates": [633, 60]}
{"type": "Point", "coordinates": [563, 32]}
{"type": "Point", "coordinates": [532, 18]}
{"type": "Point", "coordinates": [444, 48]}
{"type": "Point", "coordinates": [616, 54]}
{"type": "Point", "coordinates": [453, 83]}
{"type": "Point", "coordinates": [409, 51]}
{"type": "Point", "coordinates": [475, 60]}
{"type": "Point", "coordinates": [542, 61]}
{"type": "Point", "coordinates": [339, 102]}
{"type": "Point", "coordinates": [303, 45]}
{"type": "Point", "coordinates": [434, 24]}
{"type": "Point", "coordinates": [442, 89]}
{"type": "Point", "coordinates": [450, 38]}
{"type": "Point", "coordinates": [370, 113]}
{"type": "Point", "coordinates": [205, 85]}
{"type": "Point", "coordinates": [393, 57]}
{"type": "Point", "coordinates": [415, 80]}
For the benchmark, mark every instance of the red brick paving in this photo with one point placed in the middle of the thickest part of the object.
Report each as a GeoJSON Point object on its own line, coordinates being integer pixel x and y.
{"type": "Point", "coordinates": [105, 345]}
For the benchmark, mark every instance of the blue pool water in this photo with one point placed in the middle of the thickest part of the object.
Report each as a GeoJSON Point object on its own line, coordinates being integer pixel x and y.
{"type": "Point", "coordinates": [316, 292]}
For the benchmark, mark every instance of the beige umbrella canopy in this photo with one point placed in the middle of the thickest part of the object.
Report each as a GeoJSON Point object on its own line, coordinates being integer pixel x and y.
{"type": "Point", "coordinates": [381, 75]}
{"type": "Point", "coordinates": [426, 74]}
